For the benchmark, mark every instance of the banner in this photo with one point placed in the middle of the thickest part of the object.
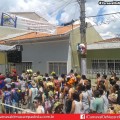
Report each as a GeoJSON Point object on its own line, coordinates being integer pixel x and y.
{"type": "Point", "coordinates": [19, 22]}
{"type": "Point", "coordinates": [60, 116]}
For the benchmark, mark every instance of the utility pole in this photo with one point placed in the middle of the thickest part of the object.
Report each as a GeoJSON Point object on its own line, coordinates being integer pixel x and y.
{"type": "Point", "coordinates": [83, 60]}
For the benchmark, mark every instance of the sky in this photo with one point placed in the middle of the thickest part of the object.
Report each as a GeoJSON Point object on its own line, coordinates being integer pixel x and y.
{"type": "Point", "coordinates": [63, 11]}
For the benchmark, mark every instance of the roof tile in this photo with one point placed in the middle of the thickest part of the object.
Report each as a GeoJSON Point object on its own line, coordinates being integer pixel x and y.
{"type": "Point", "coordinates": [59, 30]}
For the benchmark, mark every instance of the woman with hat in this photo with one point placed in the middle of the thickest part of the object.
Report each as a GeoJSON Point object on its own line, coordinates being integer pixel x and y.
{"type": "Point", "coordinates": [57, 108]}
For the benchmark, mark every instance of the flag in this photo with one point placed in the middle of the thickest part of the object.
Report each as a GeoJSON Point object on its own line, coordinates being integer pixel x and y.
{"type": "Point", "coordinates": [8, 20]}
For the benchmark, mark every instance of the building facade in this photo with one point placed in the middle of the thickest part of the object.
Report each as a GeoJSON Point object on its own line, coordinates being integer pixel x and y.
{"type": "Point", "coordinates": [103, 57]}
{"type": "Point", "coordinates": [48, 53]}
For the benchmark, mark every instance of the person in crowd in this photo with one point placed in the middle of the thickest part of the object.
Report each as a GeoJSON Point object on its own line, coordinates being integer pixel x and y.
{"type": "Point", "coordinates": [85, 99]}
{"type": "Point", "coordinates": [8, 79]}
{"type": "Point", "coordinates": [116, 91]}
{"type": "Point", "coordinates": [2, 84]}
{"type": "Point", "coordinates": [112, 83]}
{"type": "Point", "coordinates": [23, 75]}
{"type": "Point", "coordinates": [57, 108]}
{"type": "Point", "coordinates": [107, 84]}
{"type": "Point", "coordinates": [78, 78]}
{"type": "Point", "coordinates": [7, 99]}
{"type": "Point", "coordinates": [38, 105]}
{"type": "Point", "coordinates": [23, 89]}
{"type": "Point", "coordinates": [61, 96]}
{"type": "Point", "coordinates": [98, 79]}
{"type": "Point", "coordinates": [57, 83]}
{"type": "Point", "coordinates": [14, 73]}
{"type": "Point", "coordinates": [105, 100]}
{"type": "Point", "coordinates": [98, 103]}
{"type": "Point", "coordinates": [49, 82]}
{"type": "Point", "coordinates": [15, 97]}
{"type": "Point", "coordinates": [71, 80]}
{"type": "Point", "coordinates": [29, 83]}
{"type": "Point", "coordinates": [83, 80]}
{"type": "Point", "coordinates": [46, 76]}
{"type": "Point", "coordinates": [113, 75]}
{"type": "Point", "coordinates": [90, 94]}
{"type": "Point", "coordinates": [63, 79]}
{"type": "Point", "coordinates": [39, 77]}
{"type": "Point", "coordinates": [68, 93]}
{"type": "Point", "coordinates": [76, 104]}
{"type": "Point", "coordinates": [70, 88]}
{"type": "Point", "coordinates": [71, 74]}
{"type": "Point", "coordinates": [33, 92]}
{"type": "Point", "coordinates": [16, 82]}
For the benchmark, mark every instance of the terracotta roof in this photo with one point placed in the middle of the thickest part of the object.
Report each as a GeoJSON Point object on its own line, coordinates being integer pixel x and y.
{"type": "Point", "coordinates": [30, 35]}
{"type": "Point", "coordinates": [60, 30]}
{"type": "Point", "coordinates": [2, 42]}
{"type": "Point", "coordinates": [65, 29]}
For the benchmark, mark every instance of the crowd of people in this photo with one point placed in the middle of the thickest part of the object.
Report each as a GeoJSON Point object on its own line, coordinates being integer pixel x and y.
{"type": "Point", "coordinates": [68, 93]}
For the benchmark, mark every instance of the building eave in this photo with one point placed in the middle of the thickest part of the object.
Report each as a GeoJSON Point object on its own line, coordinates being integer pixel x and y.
{"type": "Point", "coordinates": [98, 46]}
{"type": "Point", "coordinates": [40, 39]}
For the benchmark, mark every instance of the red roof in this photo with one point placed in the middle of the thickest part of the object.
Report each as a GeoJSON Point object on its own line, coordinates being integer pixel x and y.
{"type": "Point", "coordinates": [60, 30]}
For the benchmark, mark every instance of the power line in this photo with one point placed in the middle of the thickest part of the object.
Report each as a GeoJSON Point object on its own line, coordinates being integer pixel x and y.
{"type": "Point", "coordinates": [103, 14]}
{"type": "Point", "coordinates": [69, 2]}
{"type": "Point", "coordinates": [59, 7]}
{"type": "Point", "coordinates": [62, 7]}
{"type": "Point", "coordinates": [76, 10]}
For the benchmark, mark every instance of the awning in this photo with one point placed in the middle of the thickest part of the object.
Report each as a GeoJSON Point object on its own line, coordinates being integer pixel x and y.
{"type": "Point", "coordinates": [7, 48]}
{"type": "Point", "coordinates": [103, 45]}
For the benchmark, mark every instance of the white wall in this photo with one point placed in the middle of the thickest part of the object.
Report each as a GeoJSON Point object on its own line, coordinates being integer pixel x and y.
{"type": "Point", "coordinates": [41, 53]}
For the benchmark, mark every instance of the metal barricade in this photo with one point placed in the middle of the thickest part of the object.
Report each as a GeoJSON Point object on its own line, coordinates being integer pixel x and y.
{"type": "Point", "coordinates": [19, 109]}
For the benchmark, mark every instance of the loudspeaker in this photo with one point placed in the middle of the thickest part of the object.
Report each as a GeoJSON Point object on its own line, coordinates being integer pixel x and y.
{"type": "Point", "coordinates": [14, 56]}
{"type": "Point", "coordinates": [19, 47]}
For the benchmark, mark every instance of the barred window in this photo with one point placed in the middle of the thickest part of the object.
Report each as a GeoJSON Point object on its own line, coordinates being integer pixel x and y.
{"type": "Point", "coordinates": [110, 65]}
{"type": "Point", "coordinates": [117, 66]}
{"type": "Point", "coordinates": [58, 67]}
{"type": "Point", "coordinates": [20, 66]}
{"type": "Point", "coordinates": [105, 66]}
{"type": "Point", "coordinates": [95, 64]}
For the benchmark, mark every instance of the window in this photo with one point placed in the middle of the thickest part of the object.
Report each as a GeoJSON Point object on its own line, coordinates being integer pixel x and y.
{"type": "Point", "coordinates": [102, 64]}
{"type": "Point", "coordinates": [57, 67]}
{"type": "Point", "coordinates": [98, 66]}
{"type": "Point", "coordinates": [110, 65]}
{"type": "Point", "coordinates": [106, 66]}
{"type": "Point", "coordinates": [117, 66]}
{"type": "Point", "coordinates": [20, 66]}
{"type": "Point", "coordinates": [95, 65]}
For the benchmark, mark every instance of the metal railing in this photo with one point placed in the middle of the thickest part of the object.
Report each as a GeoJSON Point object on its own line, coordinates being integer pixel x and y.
{"type": "Point", "coordinates": [19, 109]}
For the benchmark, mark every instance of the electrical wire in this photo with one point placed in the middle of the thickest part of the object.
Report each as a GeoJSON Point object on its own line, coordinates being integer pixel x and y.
{"type": "Point", "coordinates": [62, 7]}
{"type": "Point", "coordinates": [103, 15]}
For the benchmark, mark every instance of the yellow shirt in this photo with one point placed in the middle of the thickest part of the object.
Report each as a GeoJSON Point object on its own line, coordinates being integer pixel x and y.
{"type": "Point", "coordinates": [49, 84]}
